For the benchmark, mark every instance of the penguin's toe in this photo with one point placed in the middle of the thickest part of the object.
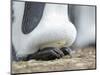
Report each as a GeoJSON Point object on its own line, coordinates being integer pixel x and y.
{"type": "Point", "coordinates": [66, 51]}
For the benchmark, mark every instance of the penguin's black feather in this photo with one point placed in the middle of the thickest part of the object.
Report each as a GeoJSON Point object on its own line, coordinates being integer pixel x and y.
{"type": "Point", "coordinates": [32, 15]}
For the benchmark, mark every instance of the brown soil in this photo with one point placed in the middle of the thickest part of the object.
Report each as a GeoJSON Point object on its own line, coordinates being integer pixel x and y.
{"type": "Point", "coordinates": [81, 59]}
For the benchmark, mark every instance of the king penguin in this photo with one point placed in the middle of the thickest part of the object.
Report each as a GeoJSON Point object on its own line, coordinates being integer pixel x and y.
{"type": "Point", "coordinates": [41, 30]}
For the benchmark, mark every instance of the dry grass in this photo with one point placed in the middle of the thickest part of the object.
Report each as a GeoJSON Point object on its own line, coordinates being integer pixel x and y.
{"type": "Point", "coordinates": [81, 59]}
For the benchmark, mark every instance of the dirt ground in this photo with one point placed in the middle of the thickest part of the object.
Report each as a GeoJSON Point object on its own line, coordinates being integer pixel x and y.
{"type": "Point", "coordinates": [81, 59]}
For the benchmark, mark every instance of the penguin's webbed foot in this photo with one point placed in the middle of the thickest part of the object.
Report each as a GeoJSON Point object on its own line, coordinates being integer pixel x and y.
{"type": "Point", "coordinates": [49, 53]}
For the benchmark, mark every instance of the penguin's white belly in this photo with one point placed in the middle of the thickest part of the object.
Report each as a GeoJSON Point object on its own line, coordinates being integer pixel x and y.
{"type": "Point", "coordinates": [57, 34]}
{"type": "Point", "coordinates": [50, 31]}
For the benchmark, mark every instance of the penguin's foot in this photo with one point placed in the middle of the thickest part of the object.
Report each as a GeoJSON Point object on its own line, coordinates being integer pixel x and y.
{"type": "Point", "coordinates": [48, 53]}
{"type": "Point", "coordinates": [51, 53]}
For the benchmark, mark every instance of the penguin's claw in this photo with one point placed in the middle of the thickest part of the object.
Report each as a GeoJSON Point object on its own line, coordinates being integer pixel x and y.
{"type": "Point", "coordinates": [66, 51]}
